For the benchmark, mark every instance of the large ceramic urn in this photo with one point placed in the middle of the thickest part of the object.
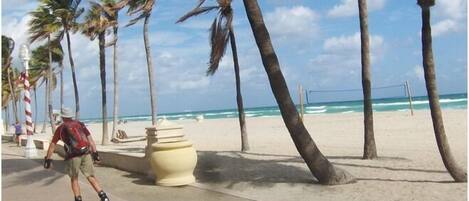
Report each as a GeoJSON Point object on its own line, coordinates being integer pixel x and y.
{"type": "Point", "coordinates": [173, 163]}
{"type": "Point", "coordinates": [172, 158]}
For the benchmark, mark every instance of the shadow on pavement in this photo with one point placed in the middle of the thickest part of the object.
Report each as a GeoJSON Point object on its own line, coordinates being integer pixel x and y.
{"type": "Point", "coordinates": [27, 171]}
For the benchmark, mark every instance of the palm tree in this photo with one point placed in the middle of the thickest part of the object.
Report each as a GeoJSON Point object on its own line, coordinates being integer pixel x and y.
{"type": "Point", "coordinates": [319, 166]}
{"type": "Point", "coordinates": [67, 12]}
{"type": "Point", "coordinates": [8, 44]}
{"type": "Point", "coordinates": [7, 92]}
{"type": "Point", "coordinates": [113, 15]}
{"type": "Point", "coordinates": [369, 151]}
{"type": "Point", "coordinates": [39, 72]}
{"type": "Point", "coordinates": [41, 26]}
{"type": "Point", "coordinates": [95, 25]}
{"type": "Point", "coordinates": [458, 174]}
{"type": "Point", "coordinates": [222, 31]}
{"type": "Point", "coordinates": [143, 8]}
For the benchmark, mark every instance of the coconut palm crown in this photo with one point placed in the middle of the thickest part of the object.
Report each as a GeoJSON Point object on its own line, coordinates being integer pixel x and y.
{"type": "Point", "coordinates": [219, 31]}
{"type": "Point", "coordinates": [426, 3]}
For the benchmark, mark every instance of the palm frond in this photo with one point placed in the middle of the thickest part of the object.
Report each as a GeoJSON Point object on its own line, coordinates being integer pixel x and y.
{"type": "Point", "coordinates": [196, 11]}
{"type": "Point", "coordinates": [121, 4]}
{"type": "Point", "coordinates": [135, 20]}
{"type": "Point", "coordinates": [218, 42]}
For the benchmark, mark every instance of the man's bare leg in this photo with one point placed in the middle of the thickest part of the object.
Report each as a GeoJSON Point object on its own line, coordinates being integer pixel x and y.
{"type": "Point", "coordinates": [75, 187]}
{"type": "Point", "coordinates": [94, 183]}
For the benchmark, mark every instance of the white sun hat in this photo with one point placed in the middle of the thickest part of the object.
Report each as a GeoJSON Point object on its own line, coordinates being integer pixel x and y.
{"type": "Point", "coordinates": [67, 113]}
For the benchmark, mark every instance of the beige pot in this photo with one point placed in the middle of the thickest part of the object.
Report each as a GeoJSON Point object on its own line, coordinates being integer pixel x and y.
{"type": "Point", "coordinates": [173, 163]}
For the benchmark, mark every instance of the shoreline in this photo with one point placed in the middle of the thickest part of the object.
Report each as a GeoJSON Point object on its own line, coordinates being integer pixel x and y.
{"type": "Point", "coordinates": [147, 118]}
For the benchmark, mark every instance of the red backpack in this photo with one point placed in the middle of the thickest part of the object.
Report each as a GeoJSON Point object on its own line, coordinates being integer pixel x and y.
{"type": "Point", "coordinates": [75, 140]}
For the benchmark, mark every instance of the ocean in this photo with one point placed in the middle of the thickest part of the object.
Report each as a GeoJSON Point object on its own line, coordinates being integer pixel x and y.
{"type": "Point", "coordinates": [451, 101]}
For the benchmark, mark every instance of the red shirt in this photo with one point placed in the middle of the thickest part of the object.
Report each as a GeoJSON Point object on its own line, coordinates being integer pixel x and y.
{"type": "Point", "coordinates": [70, 124]}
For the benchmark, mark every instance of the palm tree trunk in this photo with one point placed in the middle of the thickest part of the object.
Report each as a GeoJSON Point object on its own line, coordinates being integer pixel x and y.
{"type": "Point", "coordinates": [20, 107]}
{"type": "Point", "coordinates": [35, 109]}
{"type": "Point", "coordinates": [369, 150]}
{"type": "Point", "coordinates": [150, 69]}
{"type": "Point", "coordinates": [116, 87]}
{"type": "Point", "coordinates": [49, 101]}
{"type": "Point", "coordinates": [13, 94]}
{"type": "Point", "coordinates": [319, 166]}
{"type": "Point", "coordinates": [61, 86]}
{"type": "Point", "coordinates": [72, 66]}
{"type": "Point", "coordinates": [5, 120]}
{"type": "Point", "coordinates": [43, 130]}
{"type": "Point", "coordinates": [102, 68]}
{"type": "Point", "coordinates": [239, 98]}
{"type": "Point", "coordinates": [458, 174]}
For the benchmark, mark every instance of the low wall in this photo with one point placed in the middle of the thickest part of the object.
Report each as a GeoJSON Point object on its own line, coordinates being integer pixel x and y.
{"type": "Point", "coordinates": [124, 162]}
{"type": "Point", "coordinates": [129, 163]}
{"type": "Point", "coordinates": [40, 144]}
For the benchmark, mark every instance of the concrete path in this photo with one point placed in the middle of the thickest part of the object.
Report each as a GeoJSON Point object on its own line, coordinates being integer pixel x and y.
{"type": "Point", "coordinates": [25, 180]}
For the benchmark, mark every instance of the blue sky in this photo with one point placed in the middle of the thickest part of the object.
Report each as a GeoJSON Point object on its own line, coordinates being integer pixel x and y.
{"type": "Point", "coordinates": [317, 42]}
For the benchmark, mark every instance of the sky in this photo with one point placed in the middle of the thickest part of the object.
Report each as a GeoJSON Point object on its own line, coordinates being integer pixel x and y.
{"type": "Point", "coordinates": [317, 43]}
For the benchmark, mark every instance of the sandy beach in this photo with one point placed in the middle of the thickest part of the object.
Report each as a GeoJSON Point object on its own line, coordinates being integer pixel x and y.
{"type": "Point", "coordinates": [409, 167]}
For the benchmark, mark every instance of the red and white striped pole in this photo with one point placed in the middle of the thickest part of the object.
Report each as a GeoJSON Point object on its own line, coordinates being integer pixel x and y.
{"type": "Point", "coordinates": [27, 103]}
{"type": "Point", "coordinates": [30, 150]}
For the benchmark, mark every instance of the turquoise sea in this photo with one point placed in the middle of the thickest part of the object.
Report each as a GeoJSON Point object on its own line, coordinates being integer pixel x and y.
{"type": "Point", "coordinates": [451, 101]}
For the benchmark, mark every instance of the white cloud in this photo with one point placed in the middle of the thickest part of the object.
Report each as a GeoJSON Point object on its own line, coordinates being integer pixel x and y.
{"type": "Point", "coordinates": [454, 9]}
{"type": "Point", "coordinates": [341, 59]}
{"type": "Point", "coordinates": [348, 8]}
{"type": "Point", "coordinates": [17, 29]}
{"type": "Point", "coordinates": [450, 16]}
{"type": "Point", "coordinates": [444, 27]}
{"type": "Point", "coordinates": [350, 43]}
{"type": "Point", "coordinates": [297, 23]}
{"type": "Point", "coordinates": [418, 72]}
{"type": "Point", "coordinates": [190, 82]}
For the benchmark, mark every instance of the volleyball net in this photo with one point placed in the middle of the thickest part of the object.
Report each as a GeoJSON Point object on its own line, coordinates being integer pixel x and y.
{"type": "Point", "coordinates": [352, 94]}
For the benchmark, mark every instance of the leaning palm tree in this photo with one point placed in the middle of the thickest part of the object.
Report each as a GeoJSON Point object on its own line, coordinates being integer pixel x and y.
{"type": "Point", "coordinates": [369, 150]}
{"type": "Point", "coordinates": [458, 174]}
{"type": "Point", "coordinates": [222, 31]}
{"type": "Point", "coordinates": [113, 15]}
{"type": "Point", "coordinates": [319, 166]}
{"type": "Point", "coordinates": [95, 25]}
{"type": "Point", "coordinates": [143, 8]}
{"type": "Point", "coordinates": [67, 12]}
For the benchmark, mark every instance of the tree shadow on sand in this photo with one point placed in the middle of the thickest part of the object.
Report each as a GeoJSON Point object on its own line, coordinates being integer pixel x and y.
{"type": "Point", "coordinates": [405, 180]}
{"type": "Point", "coordinates": [230, 168]}
{"type": "Point", "coordinates": [389, 168]}
{"type": "Point", "coordinates": [233, 167]}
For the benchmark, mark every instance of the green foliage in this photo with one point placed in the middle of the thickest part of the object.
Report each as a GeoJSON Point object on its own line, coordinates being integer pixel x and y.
{"type": "Point", "coordinates": [43, 24]}
{"type": "Point", "coordinates": [39, 63]}
{"type": "Point", "coordinates": [8, 45]}
{"type": "Point", "coordinates": [97, 21]}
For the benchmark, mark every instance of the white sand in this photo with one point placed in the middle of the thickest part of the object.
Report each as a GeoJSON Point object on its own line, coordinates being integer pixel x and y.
{"type": "Point", "coordinates": [410, 167]}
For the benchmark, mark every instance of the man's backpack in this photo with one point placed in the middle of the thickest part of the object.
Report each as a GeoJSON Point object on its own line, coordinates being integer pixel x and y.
{"type": "Point", "coordinates": [75, 141]}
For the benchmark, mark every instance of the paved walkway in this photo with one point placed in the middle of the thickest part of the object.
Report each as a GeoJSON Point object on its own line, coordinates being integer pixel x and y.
{"type": "Point", "coordinates": [25, 180]}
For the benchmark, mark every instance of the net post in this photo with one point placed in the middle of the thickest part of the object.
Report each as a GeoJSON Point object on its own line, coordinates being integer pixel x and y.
{"type": "Point", "coordinates": [409, 95]}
